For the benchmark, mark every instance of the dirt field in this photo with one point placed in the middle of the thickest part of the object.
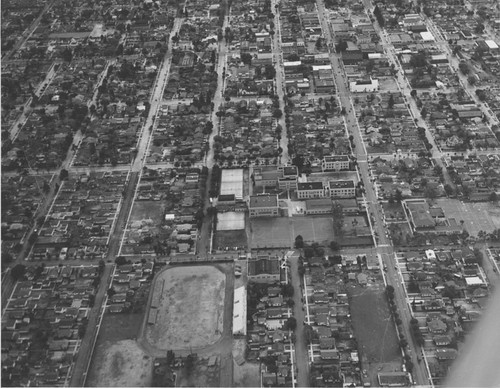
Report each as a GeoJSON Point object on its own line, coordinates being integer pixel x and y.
{"type": "Point", "coordinates": [124, 364]}
{"type": "Point", "coordinates": [191, 308]}
{"type": "Point", "coordinates": [248, 374]}
{"type": "Point", "coordinates": [202, 374]}
{"type": "Point", "coordinates": [281, 232]}
{"type": "Point", "coordinates": [476, 216]}
{"type": "Point", "coordinates": [117, 331]}
{"type": "Point", "coordinates": [377, 341]}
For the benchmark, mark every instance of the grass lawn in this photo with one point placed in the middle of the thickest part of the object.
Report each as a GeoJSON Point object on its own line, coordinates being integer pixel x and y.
{"type": "Point", "coordinates": [148, 210]}
{"type": "Point", "coordinates": [230, 239]}
{"type": "Point", "coordinates": [281, 232]}
{"type": "Point", "coordinates": [373, 329]}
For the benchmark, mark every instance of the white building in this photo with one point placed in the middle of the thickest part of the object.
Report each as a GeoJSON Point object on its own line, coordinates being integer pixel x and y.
{"type": "Point", "coordinates": [364, 86]}
{"type": "Point", "coordinates": [240, 311]}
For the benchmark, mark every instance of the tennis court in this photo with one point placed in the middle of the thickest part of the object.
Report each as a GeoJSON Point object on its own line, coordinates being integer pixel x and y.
{"type": "Point", "coordinates": [230, 221]}
{"type": "Point", "coordinates": [232, 183]}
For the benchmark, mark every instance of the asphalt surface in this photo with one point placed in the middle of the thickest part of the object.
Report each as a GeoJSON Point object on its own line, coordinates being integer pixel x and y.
{"type": "Point", "coordinates": [301, 351]}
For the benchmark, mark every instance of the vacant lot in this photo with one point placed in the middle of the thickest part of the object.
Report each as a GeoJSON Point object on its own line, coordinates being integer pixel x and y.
{"type": "Point", "coordinates": [373, 329]}
{"type": "Point", "coordinates": [281, 232]}
{"type": "Point", "coordinates": [148, 210]}
{"type": "Point", "coordinates": [230, 239]}
{"type": "Point", "coordinates": [117, 361]}
{"type": "Point", "coordinates": [476, 216]}
{"type": "Point", "coordinates": [190, 309]}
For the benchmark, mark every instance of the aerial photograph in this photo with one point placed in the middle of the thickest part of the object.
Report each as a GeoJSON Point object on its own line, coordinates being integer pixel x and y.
{"type": "Point", "coordinates": [250, 193]}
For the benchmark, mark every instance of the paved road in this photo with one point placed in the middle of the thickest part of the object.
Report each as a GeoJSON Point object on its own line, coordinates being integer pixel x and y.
{"type": "Point", "coordinates": [280, 82]}
{"type": "Point", "coordinates": [155, 101]}
{"type": "Point", "coordinates": [29, 31]}
{"type": "Point", "coordinates": [384, 245]}
{"type": "Point", "coordinates": [301, 353]}
{"type": "Point", "coordinates": [85, 354]}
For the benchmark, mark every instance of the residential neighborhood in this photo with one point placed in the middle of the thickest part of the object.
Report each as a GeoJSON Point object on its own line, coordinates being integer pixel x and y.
{"type": "Point", "coordinates": [271, 193]}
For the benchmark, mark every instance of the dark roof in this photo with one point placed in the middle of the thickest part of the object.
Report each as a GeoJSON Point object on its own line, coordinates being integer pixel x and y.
{"type": "Point", "coordinates": [263, 265]}
{"type": "Point", "coordinates": [310, 186]}
{"type": "Point", "coordinates": [257, 201]}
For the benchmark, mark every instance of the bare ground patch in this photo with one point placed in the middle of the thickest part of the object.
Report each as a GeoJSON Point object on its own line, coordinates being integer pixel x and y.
{"type": "Point", "coordinates": [124, 364]}
{"type": "Point", "coordinates": [190, 309]}
{"type": "Point", "coordinates": [247, 374]}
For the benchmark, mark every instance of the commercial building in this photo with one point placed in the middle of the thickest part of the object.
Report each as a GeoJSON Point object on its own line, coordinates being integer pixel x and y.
{"type": "Point", "coordinates": [364, 86]}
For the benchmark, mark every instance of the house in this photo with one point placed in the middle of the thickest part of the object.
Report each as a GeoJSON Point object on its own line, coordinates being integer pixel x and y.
{"type": "Point", "coordinates": [329, 355]}
{"type": "Point", "coordinates": [441, 340]}
{"type": "Point", "coordinates": [263, 205]}
{"type": "Point", "coordinates": [437, 326]}
{"type": "Point", "coordinates": [446, 354]}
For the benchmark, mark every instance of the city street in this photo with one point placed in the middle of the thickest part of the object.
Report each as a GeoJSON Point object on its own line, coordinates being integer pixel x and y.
{"type": "Point", "coordinates": [301, 353]}
{"type": "Point", "coordinates": [384, 246]}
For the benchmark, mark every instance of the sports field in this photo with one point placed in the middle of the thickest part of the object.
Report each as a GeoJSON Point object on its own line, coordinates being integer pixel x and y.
{"type": "Point", "coordinates": [190, 308]}
{"type": "Point", "coordinates": [281, 232]}
{"type": "Point", "coordinates": [476, 216]}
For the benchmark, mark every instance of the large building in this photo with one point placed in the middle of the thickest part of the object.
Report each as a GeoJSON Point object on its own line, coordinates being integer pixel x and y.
{"type": "Point", "coordinates": [335, 163]}
{"type": "Point", "coordinates": [264, 205]}
{"type": "Point", "coordinates": [306, 190]}
{"type": "Point", "coordinates": [364, 86]}
{"type": "Point", "coordinates": [264, 269]}
{"type": "Point", "coordinates": [319, 206]}
{"type": "Point", "coordinates": [342, 189]}
{"type": "Point", "coordinates": [232, 183]}
{"type": "Point", "coordinates": [240, 311]}
{"type": "Point", "coordinates": [284, 178]}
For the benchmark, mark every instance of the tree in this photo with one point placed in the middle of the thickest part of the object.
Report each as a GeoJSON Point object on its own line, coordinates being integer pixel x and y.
{"type": "Point", "coordinates": [390, 103]}
{"type": "Point", "coordinates": [308, 252]}
{"type": "Point", "coordinates": [246, 59]}
{"type": "Point", "coordinates": [398, 195]}
{"type": "Point", "coordinates": [389, 290]}
{"type": "Point", "coordinates": [493, 197]}
{"type": "Point", "coordinates": [413, 93]}
{"type": "Point", "coordinates": [308, 334]}
{"type": "Point", "coordinates": [291, 324]}
{"type": "Point", "coordinates": [120, 260]}
{"type": "Point", "coordinates": [334, 246]}
{"type": "Point", "coordinates": [472, 80]}
{"type": "Point", "coordinates": [287, 290]}
{"type": "Point", "coordinates": [299, 242]}
{"type": "Point", "coordinates": [18, 272]}
{"type": "Point", "coordinates": [463, 67]}
{"type": "Point", "coordinates": [63, 174]}
{"type": "Point", "coordinates": [111, 291]}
